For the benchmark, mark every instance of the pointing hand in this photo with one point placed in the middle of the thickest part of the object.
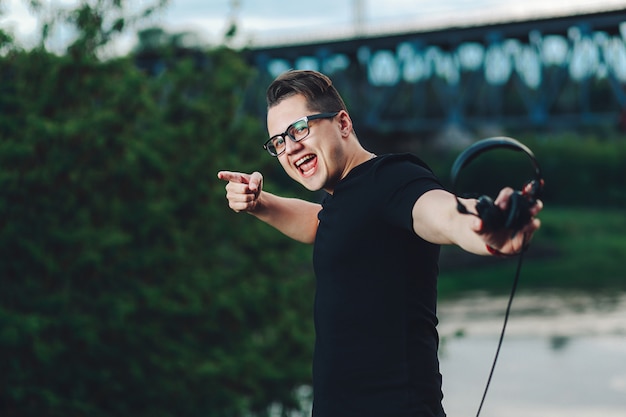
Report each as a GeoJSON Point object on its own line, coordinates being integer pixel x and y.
{"type": "Point", "coordinates": [242, 190]}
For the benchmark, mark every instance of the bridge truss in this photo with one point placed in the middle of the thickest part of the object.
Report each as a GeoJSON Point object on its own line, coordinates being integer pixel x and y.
{"type": "Point", "coordinates": [561, 72]}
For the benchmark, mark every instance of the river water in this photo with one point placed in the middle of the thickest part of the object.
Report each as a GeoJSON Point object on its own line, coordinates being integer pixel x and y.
{"type": "Point", "coordinates": [563, 355]}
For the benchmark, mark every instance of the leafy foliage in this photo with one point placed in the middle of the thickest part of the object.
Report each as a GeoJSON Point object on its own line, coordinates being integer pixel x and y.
{"type": "Point", "coordinates": [127, 285]}
{"type": "Point", "coordinates": [578, 249]}
{"type": "Point", "coordinates": [94, 22]}
{"type": "Point", "coordinates": [580, 170]}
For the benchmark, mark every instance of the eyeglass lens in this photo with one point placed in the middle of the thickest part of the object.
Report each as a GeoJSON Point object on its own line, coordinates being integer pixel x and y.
{"type": "Point", "coordinates": [297, 131]}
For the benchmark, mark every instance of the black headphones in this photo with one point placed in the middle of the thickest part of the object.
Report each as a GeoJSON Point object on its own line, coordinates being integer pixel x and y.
{"type": "Point", "coordinates": [518, 212]}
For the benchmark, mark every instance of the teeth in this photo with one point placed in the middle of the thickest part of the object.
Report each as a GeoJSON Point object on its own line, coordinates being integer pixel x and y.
{"type": "Point", "coordinates": [304, 159]}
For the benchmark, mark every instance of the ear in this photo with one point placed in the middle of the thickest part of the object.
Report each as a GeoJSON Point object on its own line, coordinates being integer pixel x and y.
{"type": "Point", "coordinates": [345, 123]}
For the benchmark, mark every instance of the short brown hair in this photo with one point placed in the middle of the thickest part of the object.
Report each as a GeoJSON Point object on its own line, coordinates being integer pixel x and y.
{"type": "Point", "coordinates": [317, 88]}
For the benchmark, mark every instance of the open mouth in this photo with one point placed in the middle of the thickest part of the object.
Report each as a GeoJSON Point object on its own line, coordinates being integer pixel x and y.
{"type": "Point", "coordinates": [307, 164]}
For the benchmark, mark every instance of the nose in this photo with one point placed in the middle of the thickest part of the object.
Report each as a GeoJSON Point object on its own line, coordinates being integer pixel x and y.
{"type": "Point", "coordinates": [292, 146]}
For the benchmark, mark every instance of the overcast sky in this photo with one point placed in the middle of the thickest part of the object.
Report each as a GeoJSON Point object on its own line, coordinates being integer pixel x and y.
{"type": "Point", "coordinates": [279, 21]}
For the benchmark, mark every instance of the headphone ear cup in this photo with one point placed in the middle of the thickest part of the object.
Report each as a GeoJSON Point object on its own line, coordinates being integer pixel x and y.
{"type": "Point", "coordinates": [518, 212]}
{"type": "Point", "coordinates": [493, 218]}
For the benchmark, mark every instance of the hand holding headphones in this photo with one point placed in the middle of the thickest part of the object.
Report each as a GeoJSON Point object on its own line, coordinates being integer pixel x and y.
{"type": "Point", "coordinates": [518, 212]}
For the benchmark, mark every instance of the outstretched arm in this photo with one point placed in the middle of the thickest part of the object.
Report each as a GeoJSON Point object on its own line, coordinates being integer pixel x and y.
{"type": "Point", "coordinates": [294, 217]}
{"type": "Point", "coordinates": [436, 219]}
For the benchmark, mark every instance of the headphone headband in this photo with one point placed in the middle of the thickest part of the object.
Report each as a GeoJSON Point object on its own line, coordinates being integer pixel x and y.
{"type": "Point", "coordinates": [469, 154]}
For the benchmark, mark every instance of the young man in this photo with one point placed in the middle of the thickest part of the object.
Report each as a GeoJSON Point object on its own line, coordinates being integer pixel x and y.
{"type": "Point", "coordinates": [377, 235]}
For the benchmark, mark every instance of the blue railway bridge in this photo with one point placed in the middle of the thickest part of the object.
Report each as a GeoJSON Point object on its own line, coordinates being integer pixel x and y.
{"type": "Point", "coordinates": [566, 72]}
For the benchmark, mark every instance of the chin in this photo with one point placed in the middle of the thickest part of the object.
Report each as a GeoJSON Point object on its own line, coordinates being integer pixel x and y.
{"type": "Point", "coordinates": [310, 184]}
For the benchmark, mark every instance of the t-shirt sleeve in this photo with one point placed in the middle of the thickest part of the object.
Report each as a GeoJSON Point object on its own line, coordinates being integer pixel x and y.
{"type": "Point", "coordinates": [403, 182]}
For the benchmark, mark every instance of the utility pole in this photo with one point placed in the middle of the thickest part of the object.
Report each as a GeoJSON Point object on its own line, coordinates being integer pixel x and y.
{"type": "Point", "coordinates": [358, 16]}
{"type": "Point", "coordinates": [231, 30]}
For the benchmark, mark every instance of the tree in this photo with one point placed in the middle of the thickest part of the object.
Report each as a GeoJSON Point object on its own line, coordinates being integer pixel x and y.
{"type": "Point", "coordinates": [127, 286]}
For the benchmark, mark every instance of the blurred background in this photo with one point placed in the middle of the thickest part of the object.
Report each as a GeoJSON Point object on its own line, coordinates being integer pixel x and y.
{"type": "Point", "coordinates": [127, 286]}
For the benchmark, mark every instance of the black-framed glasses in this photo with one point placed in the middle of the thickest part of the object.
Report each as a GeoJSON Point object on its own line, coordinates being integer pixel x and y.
{"type": "Point", "coordinates": [296, 131]}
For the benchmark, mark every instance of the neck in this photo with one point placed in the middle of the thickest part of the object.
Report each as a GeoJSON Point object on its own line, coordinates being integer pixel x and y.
{"type": "Point", "coordinates": [356, 158]}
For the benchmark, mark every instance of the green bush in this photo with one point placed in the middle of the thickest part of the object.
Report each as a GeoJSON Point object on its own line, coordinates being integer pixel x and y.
{"type": "Point", "coordinates": [578, 249]}
{"type": "Point", "coordinates": [583, 171]}
{"type": "Point", "coordinates": [128, 286]}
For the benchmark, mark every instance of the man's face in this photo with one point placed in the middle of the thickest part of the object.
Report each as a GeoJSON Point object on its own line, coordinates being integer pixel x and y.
{"type": "Point", "coordinates": [316, 161]}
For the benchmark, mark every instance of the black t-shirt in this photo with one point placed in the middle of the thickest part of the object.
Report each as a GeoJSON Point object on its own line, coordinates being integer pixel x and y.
{"type": "Point", "coordinates": [375, 304]}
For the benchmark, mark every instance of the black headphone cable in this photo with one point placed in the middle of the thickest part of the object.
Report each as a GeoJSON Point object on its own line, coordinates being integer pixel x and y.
{"type": "Point", "coordinates": [506, 319]}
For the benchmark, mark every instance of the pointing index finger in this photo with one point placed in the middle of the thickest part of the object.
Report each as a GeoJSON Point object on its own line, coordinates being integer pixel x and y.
{"type": "Point", "coordinates": [233, 177]}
